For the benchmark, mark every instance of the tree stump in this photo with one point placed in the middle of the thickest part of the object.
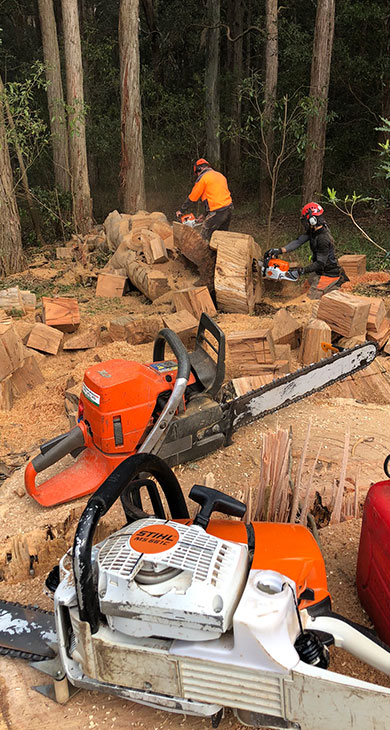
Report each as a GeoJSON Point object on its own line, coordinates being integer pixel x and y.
{"type": "Point", "coordinates": [196, 249]}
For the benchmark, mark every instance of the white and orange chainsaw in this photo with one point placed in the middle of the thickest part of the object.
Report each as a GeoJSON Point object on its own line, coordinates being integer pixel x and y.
{"type": "Point", "coordinates": [277, 269]}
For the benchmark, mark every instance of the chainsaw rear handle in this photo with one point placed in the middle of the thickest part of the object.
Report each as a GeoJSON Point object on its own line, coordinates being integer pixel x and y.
{"type": "Point", "coordinates": [51, 452]}
{"type": "Point", "coordinates": [98, 505]}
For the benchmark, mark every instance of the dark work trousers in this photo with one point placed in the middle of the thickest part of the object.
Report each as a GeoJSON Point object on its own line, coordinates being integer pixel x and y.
{"type": "Point", "coordinates": [217, 220]}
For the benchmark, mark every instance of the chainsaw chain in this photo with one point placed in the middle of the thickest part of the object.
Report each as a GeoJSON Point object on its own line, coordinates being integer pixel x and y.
{"type": "Point", "coordinates": [19, 653]}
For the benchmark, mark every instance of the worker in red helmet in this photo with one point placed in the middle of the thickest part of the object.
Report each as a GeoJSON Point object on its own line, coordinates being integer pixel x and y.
{"type": "Point", "coordinates": [326, 272]}
{"type": "Point", "coordinates": [212, 188]}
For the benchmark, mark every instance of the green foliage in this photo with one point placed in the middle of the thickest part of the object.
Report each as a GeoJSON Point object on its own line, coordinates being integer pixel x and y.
{"type": "Point", "coordinates": [347, 207]}
{"type": "Point", "coordinates": [55, 209]}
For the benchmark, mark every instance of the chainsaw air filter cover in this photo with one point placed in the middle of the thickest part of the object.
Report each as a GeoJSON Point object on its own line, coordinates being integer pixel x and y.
{"type": "Point", "coordinates": [171, 580]}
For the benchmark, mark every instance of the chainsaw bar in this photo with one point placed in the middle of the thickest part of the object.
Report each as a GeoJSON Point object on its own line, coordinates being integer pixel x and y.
{"type": "Point", "coordinates": [26, 632]}
{"type": "Point", "coordinates": [300, 384]}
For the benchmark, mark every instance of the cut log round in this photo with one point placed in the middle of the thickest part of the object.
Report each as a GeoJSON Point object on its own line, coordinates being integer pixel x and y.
{"type": "Point", "coordinates": [235, 288]}
{"type": "Point", "coordinates": [196, 249]}
{"type": "Point", "coordinates": [314, 334]}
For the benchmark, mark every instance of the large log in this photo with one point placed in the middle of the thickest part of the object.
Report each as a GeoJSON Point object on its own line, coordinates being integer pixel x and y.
{"type": "Point", "coordinates": [234, 284]}
{"type": "Point", "coordinates": [149, 281]}
{"type": "Point", "coordinates": [196, 249]}
{"type": "Point", "coordinates": [116, 225]}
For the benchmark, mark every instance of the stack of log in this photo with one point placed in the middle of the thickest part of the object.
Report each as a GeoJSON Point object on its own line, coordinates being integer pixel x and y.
{"type": "Point", "coordinates": [19, 369]}
{"type": "Point", "coordinates": [356, 318]}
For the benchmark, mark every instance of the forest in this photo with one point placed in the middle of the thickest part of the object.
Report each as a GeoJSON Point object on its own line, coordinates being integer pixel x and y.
{"type": "Point", "coordinates": [106, 105]}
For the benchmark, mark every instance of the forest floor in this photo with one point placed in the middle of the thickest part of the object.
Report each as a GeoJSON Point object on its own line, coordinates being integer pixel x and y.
{"type": "Point", "coordinates": [47, 533]}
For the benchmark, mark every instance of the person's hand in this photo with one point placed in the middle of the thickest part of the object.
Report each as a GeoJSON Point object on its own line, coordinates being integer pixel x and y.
{"type": "Point", "coordinates": [297, 270]}
{"type": "Point", "coordinates": [272, 253]}
{"type": "Point", "coordinates": [178, 214]}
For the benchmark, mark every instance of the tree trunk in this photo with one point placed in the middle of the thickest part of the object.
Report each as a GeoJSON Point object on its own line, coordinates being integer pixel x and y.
{"type": "Point", "coordinates": [271, 81]}
{"type": "Point", "coordinates": [11, 257]}
{"type": "Point", "coordinates": [82, 203]}
{"type": "Point", "coordinates": [23, 172]}
{"type": "Point", "coordinates": [150, 15]}
{"type": "Point", "coordinates": [211, 84]}
{"type": "Point", "coordinates": [55, 96]}
{"type": "Point", "coordinates": [319, 86]}
{"type": "Point", "coordinates": [236, 19]}
{"type": "Point", "coordinates": [132, 162]}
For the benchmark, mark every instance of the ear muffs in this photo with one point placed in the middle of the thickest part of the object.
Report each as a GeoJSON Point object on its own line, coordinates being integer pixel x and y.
{"type": "Point", "coordinates": [312, 220]}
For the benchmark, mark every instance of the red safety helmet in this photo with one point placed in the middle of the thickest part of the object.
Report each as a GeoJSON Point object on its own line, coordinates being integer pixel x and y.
{"type": "Point", "coordinates": [199, 164]}
{"type": "Point", "coordinates": [311, 213]}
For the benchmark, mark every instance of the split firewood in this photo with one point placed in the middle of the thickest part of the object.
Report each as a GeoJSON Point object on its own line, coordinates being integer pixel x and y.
{"type": "Point", "coordinates": [47, 339]}
{"type": "Point", "coordinates": [83, 341]}
{"type": "Point", "coordinates": [153, 247]}
{"type": "Point", "coordinates": [285, 329]}
{"type": "Point", "coordinates": [6, 396]}
{"type": "Point", "coordinates": [110, 285]}
{"type": "Point", "coordinates": [27, 377]}
{"type": "Point", "coordinates": [314, 334]}
{"type": "Point", "coordinates": [11, 350]}
{"type": "Point", "coordinates": [190, 244]}
{"type": "Point", "coordinates": [353, 264]}
{"type": "Point", "coordinates": [345, 313]}
{"type": "Point", "coordinates": [182, 322]}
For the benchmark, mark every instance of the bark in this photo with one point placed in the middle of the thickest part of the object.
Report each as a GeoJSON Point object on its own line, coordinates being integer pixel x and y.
{"type": "Point", "coordinates": [23, 172]}
{"type": "Point", "coordinates": [82, 203]}
{"type": "Point", "coordinates": [11, 258]}
{"type": "Point", "coordinates": [132, 161]}
{"type": "Point", "coordinates": [319, 86]}
{"type": "Point", "coordinates": [271, 81]}
{"type": "Point", "coordinates": [211, 84]}
{"type": "Point", "coordinates": [55, 95]}
{"type": "Point", "coordinates": [236, 21]}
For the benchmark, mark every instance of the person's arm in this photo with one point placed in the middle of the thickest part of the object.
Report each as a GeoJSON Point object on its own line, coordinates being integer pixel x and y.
{"type": "Point", "coordinates": [322, 256]}
{"type": "Point", "coordinates": [194, 195]}
{"type": "Point", "coordinates": [303, 238]}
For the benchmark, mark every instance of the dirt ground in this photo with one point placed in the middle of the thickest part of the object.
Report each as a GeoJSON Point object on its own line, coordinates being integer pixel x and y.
{"type": "Point", "coordinates": [28, 530]}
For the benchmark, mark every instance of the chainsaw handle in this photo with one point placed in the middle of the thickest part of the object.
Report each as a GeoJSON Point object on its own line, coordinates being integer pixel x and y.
{"type": "Point", "coordinates": [98, 505]}
{"type": "Point", "coordinates": [178, 349]}
{"type": "Point", "coordinates": [51, 452]}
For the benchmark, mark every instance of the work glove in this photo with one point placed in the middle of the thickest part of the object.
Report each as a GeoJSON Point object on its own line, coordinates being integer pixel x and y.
{"type": "Point", "coordinates": [178, 214]}
{"type": "Point", "coordinates": [272, 253]}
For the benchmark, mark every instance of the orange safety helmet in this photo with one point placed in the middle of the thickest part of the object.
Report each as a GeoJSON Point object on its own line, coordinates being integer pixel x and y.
{"type": "Point", "coordinates": [311, 212]}
{"type": "Point", "coordinates": [199, 164]}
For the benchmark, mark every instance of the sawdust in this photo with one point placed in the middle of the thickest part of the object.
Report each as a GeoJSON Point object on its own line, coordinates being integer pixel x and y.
{"type": "Point", "coordinates": [370, 277]}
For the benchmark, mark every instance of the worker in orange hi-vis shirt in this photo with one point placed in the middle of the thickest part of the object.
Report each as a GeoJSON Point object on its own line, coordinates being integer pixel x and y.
{"type": "Point", "coordinates": [212, 188]}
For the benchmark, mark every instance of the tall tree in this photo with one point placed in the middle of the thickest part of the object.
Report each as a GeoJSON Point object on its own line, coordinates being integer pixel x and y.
{"type": "Point", "coordinates": [132, 159]}
{"type": "Point", "coordinates": [319, 88]}
{"type": "Point", "coordinates": [11, 257]}
{"type": "Point", "coordinates": [82, 203]}
{"type": "Point", "coordinates": [235, 51]}
{"type": "Point", "coordinates": [270, 88]}
{"type": "Point", "coordinates": [213, 147]}
{"type": "Point", "coordinates": [55, 95]}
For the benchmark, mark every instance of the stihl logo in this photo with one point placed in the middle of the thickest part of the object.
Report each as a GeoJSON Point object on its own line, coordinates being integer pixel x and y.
{"type": "Point", "coordinates": [154, 539]}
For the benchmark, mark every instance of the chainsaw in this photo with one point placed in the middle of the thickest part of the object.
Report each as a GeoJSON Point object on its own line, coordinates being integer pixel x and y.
{"type": "Point", "coordinates": [277, 269]}
{"type": "Point", "coordinates": [176, 408]}
{"type": "Point", "coordinates": [197, 616]}
{"type": "Point", "coordinates": [188, 219]}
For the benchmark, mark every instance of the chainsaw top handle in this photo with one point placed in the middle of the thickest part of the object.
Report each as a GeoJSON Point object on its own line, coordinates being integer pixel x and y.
{"type": "Point", "coordinates": [98, 505]}
{"type": "Point", "coordinates": [167, 335]}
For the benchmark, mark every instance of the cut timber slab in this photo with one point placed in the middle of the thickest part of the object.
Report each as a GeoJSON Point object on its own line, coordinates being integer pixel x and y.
{"type": "Point", "coordinates": [82, 341]}
{"type": "Point", "coordinates": [6, 397]}
{"type": "Point", "coordinates": [190, 244]}
{"type": "Point", "coordinates": [110, 285]}
{"type": "Point", "coordinates": [285, 329]}
{"type": "Point", "coordinates": [182, 322]}
{"type": "Point", "coordinates": [235, 288]}
{"type": "Point", "coordinates": [353, 264]}
{"type": "Point", "coordinates": [195, 300]}
{"type": "Point", "coordinates": [44, 338]}
{"type": "Point", "coordinates": [11, 299]}
{"type": "Point", "coordinates": [382, 335]}
{"type": "Point", "coordinates": [61, 313]}
{"type": "Point", "coordinates": [11, 350]}
{"type": "Point", "coordinates": [27, 377]}
{"type": "Point", "coordinates": [151, 282]}
{"type": "Point", "coordinates": [153, 247]}
{"type": "Point", "coordinates": [251, 382]}
{"type": "Point", "coordinates": [143, 330]}
{"type": "Point", "coordinates": [344, 313]}
{"type": "Point", "coordinates": [376, 314]}
{"type": "Point", "coordinates": [249, 351]}
{"type": "Point", "coordinates": [314, 334]}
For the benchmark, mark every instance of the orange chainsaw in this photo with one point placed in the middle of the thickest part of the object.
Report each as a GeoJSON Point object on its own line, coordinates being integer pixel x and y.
{"type": "Point", "coordinates": [277, 269]}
